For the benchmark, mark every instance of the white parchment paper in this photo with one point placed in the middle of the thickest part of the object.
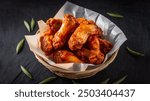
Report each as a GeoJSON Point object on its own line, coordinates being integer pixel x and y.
{"type": "Point", "coordinates": [110, 30]}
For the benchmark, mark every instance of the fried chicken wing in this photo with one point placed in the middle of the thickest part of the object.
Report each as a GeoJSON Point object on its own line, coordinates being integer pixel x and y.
{"type": "Point", "coordinates": [69, 24]}
{"type": "Point", "coordinates": [64, 56]}
{"type": "Point", "coordinates": [93, 43]}
{"type": "Point", "coordinates": [94, 46]}
{"type": "Point", "coordinates": [47, 36]}
{"type": "Point", "coordinates": [105, 46]}
{"type": "Point", "coordinates": [81, 34]}
{"type": "Point", "coordinates": [97, 49]}
{"type": "Point", "coordinates": [90, 56]}
{"type": "Point", "coordinates": [84, 54]}
{"type": "Point", "coordinates": [46, 44]}
{"type": "Point", "coordinates": [54, 25]}
{"type": "Point", "coordinates": [85, 21]}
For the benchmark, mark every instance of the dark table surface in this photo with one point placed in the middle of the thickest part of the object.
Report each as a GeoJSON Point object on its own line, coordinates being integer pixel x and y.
{"type": "Point", "coordinates": [135, 25]}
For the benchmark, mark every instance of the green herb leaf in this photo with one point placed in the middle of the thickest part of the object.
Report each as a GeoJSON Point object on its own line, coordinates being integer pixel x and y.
{"type": "Point", "coordinates": [26, 72]}
{"type": "Point", "coordinates": [20, 46]}
{"type": "Point", "coordinates": [74, 82]}
{"type": "Point", "coordinates": [120, 80]}
{"type": "Point", "coordinates": [47, 80]}
{"type": "Point", "coordinates": [105, 81]}
{"type": "Point", "coordinates": [135, 53]}
{"type": "Point", "coordinates": [27, 25]}
{"type": "Point", "coordinates": [115, 15]}
{"type": "Point", "coordinates": [32, 24]}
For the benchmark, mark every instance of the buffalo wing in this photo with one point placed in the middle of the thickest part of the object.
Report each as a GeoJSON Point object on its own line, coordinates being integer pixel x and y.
{"type": "Point", "coordinates": [105, 46]}
{"type": "Point", "coordinates": [69, 24]}
{"type": "Point", "coordinates": [81, 34]}
{"type": "Point", "coordinates": [64, 56]}
{"type": "Point", "coordinates": [92, 55]}
{"type": "Point", "coordinates": [46, 38]}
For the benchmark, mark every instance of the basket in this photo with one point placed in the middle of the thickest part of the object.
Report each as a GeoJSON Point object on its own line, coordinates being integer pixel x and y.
{"type": "Point", "coordinates": [76, 74]}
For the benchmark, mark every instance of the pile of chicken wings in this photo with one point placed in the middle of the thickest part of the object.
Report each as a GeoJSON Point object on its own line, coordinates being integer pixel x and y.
{"type": "Point", "coordinates": [74, 40]}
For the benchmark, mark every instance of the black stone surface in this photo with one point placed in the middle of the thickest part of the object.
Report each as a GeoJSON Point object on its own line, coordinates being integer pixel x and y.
{"type": "Point", "coordinates": [135, 25]}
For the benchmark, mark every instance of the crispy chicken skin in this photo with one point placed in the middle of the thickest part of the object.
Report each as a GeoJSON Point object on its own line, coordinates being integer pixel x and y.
{"type": "Point", "coordinates": [84, 54]}
{"type": "Point", "coordinates": [54, 25]}
{"type": "Point", "coordinates": [84, 21]}
{"type": "Point", "coordinates": [92, 55]}
{"type": "Point", "coordinates": [94, 46]}
{"type": "Point", "coordinates": [105, 46]}
{"type": "Point", "coordinates": [81, 34]}
{"type": "Point", "coordinates": [98, 59]}
{"type": "Point", "coordinates": [46, 44]}
{"type": "Point", "coordinates": [93, 43]}
{"type": "Point", "coordinates": [64, 56]}
{"type": "Point", "coordinates": [46, 39]}
{"type": "Point", "coordinates": [69, 24]}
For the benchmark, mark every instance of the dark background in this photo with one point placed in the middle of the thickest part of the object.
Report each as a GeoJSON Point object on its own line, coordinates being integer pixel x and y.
{"type": "Point", "coordinates": [135, 25]}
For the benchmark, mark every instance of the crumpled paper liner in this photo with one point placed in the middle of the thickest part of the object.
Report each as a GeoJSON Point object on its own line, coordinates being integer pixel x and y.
{"type": "Point", "coordinates": [110, 30]}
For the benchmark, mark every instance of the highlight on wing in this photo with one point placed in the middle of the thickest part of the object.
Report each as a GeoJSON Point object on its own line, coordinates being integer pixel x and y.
{"type": "Point", "coordinates": [74, 40]}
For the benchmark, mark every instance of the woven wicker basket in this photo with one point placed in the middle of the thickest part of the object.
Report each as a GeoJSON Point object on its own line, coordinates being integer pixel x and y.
{"type": "Point", "coordinates": [76, 74]}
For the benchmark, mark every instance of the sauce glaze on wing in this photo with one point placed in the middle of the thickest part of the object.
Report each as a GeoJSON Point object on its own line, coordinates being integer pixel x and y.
{"type": "Point", "coordinates": [64, 56]}
{"type": "Point", "coordinates": [81, 34]}
{"type": "Point", "coordinates": [46, 38]}
{"type": "Point", "coordinates": [69, 24]}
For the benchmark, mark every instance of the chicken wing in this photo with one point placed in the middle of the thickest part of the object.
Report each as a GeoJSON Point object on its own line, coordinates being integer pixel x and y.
{"type": "Point", "coordinates": [46, 38]}
{"type": "Point", "coordinates": [85, 21]}
{"type": "Point", "coordinates": [105, 46]}
{"type": "Point", "coordinates": [93, 54]}
{"type": "Point", "coordinates": [93, 43]}
{"type": "Point", "coordinates": [64, 56]}
{"type": "Point", "coordinates": [90, 56]}
{"type": "Point", "coordinates": [46, 44]}
{"type": "Point", "coordinates": [54, 25]}
{"type": "Point", "coordinates": [98, 48]}
{"type": "Point", "coordinates": [81, 34]}
{"type": "Point", "coordinates": [68, 26]}
{"type": "Point", "coordinates": [94, 46]}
